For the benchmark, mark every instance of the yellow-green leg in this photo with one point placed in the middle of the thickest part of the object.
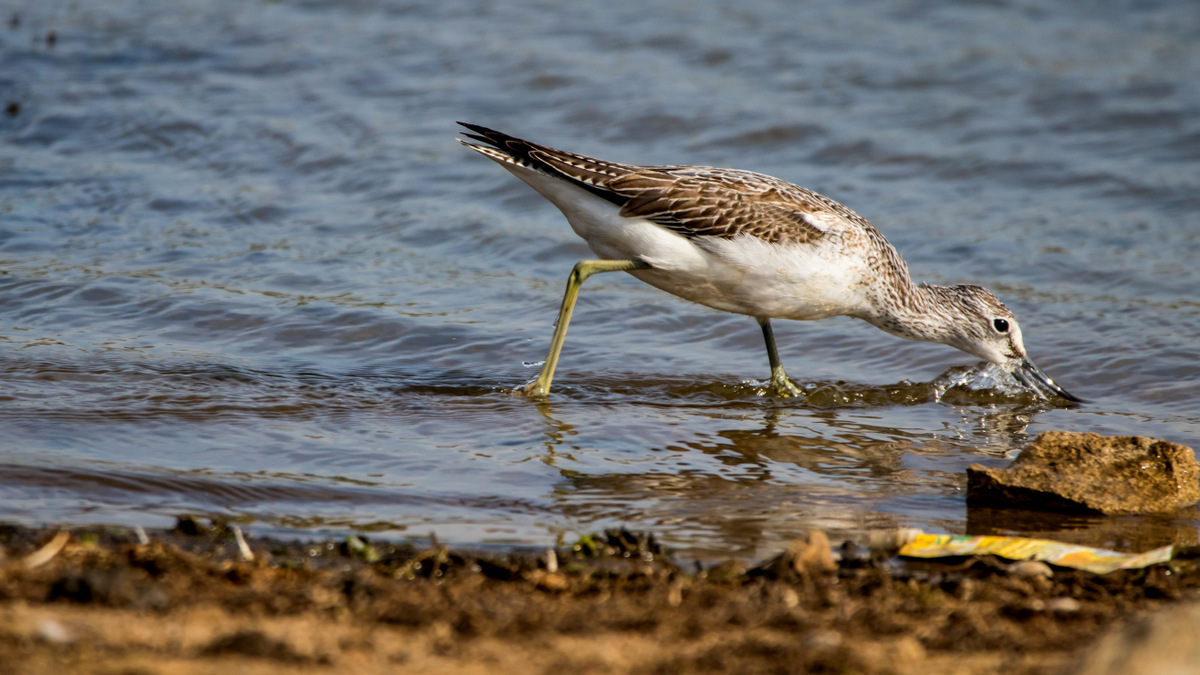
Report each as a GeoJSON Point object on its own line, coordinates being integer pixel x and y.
{"type": "Point", "coordinates": [583, 269]}
{"type": "Point", "coordinates": [779, 380]}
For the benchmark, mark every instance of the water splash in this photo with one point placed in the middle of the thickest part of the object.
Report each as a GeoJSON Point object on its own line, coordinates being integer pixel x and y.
{"type": "Point", "coordinates": [985, 377]}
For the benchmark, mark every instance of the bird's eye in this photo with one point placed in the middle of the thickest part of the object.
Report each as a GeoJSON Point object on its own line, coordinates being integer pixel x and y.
{"type": "Point", "coordinates": [1001, 325]}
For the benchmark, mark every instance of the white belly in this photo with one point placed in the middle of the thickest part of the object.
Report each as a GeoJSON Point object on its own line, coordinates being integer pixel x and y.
{"type": "Point", "coordinates": [748, 276]}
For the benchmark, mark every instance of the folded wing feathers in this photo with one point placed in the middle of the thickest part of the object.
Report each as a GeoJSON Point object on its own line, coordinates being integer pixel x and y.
{"type": "Point", "coordinates": [592, 171]}
{"type": "Point", "coordinates": [702, 201]}
{"type": "Point", "coordinates": [693, 201]}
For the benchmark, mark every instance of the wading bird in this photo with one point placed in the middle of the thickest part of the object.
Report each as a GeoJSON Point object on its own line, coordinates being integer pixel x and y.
{"type": "Point", "coordinates": [751, 244]}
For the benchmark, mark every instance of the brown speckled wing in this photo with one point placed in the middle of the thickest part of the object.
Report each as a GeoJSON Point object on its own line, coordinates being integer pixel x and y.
{"type": "Point", "coordinates": [581, 168]}
{"type": "Point", "coordinates": [702, 201]}
{"type": "Point", "coordinates": [695, 201]}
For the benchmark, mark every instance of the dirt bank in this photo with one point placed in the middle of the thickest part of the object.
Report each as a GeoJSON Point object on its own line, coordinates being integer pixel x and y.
{"type": "Point", "coordinates": [187, 602]}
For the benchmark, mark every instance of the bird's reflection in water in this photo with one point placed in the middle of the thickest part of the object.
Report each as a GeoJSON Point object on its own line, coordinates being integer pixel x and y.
{"type": "Point", "coordinates": [775, 470]}
{"type": "Point", "coordinates": [771, 486]}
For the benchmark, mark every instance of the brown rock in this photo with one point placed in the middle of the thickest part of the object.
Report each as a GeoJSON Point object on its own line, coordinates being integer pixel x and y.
{"type": "Point", "coordinates": [1090, 473]}
{"type": "Point", "coordinates": [548, 581]}
{"type": "Point", "coordinates": [805, 559]}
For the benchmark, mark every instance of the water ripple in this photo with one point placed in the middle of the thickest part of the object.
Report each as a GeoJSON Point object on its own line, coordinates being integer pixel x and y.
{"type": "Point", "coordinates": [246, 270]}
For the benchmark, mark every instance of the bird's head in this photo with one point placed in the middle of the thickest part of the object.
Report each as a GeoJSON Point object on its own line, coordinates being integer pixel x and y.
{"type": "Point", "coordinates": [986, 328]}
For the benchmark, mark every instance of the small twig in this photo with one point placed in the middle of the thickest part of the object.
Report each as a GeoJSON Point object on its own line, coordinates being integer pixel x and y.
{"type": "Point", "coordinates": [46, 553]}
{"type": "Point", "coordinates": [243, 547]}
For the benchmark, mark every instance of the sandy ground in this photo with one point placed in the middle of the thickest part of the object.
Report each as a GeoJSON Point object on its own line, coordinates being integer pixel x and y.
{"type": "Point", "coordinates": [187, 602]}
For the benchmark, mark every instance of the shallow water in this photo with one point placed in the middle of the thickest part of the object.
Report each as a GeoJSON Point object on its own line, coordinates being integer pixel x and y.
{"type": "Point", "coordinates": [246, 271]}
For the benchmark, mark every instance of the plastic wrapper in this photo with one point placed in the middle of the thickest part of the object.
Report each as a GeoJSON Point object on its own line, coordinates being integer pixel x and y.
{"type": "Point", "coordinates": [1096, 560]}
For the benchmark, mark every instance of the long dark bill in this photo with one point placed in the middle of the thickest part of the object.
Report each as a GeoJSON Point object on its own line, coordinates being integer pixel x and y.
{"type": "Point", "coordinates": [1031, 376]}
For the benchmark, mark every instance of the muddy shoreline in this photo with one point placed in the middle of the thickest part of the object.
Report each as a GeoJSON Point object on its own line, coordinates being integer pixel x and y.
{"type": "Point", "coordinates": [188, 601]}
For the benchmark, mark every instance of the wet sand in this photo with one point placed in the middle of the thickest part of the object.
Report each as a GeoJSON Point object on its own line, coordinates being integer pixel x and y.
{"type": "Point", "coordinates": [187, 602]}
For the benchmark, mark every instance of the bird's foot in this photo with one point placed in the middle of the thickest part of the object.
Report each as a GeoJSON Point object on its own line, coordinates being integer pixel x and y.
{"type": "Point", "coordinates": [536, 388]}
{"type": "Point", "coordinates": [783, 387]}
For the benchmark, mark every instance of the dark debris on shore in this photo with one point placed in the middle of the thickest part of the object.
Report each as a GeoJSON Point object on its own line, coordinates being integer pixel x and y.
{"type": "Point", "coordinates": [866, 613]}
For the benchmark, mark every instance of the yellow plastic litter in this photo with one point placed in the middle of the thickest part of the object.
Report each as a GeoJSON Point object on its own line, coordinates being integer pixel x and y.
{"type": "Point", "coordinates": [1097, 560]}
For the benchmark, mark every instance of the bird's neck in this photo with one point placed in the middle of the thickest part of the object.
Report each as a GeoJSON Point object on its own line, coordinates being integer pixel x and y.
{"type": "Point", "coordinates": [913, 311]}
